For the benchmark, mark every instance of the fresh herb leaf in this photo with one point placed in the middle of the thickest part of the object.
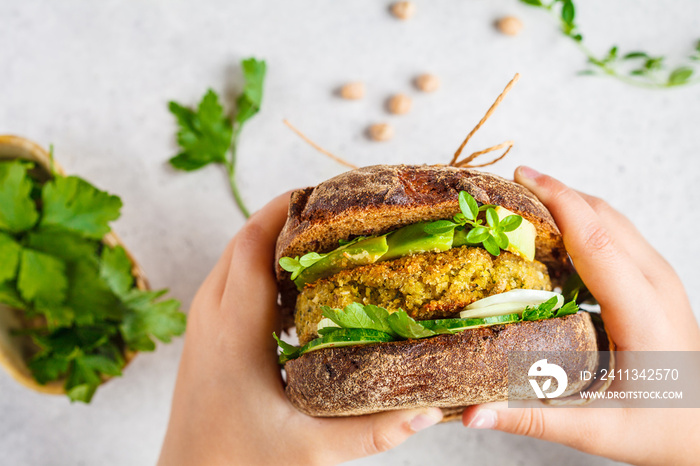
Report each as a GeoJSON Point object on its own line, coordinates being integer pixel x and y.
{"type": "Point", "coordinates": [357, 316]}
{"type": "Point", "coordinates": [248, 103]}
{"type": "Point", "coordinates": [403, 325]}
{"type": "Point", "coordinates": [680, 76]}
{"type": "Point", "coordinates": [647, 76]}
{"type": "Point", "coordinates": [209, 136]}
{"type": "Point", "coordinates": [204, 136]}
{"type": "Point", "coordinates": [491, 246]}
{"type": "Point", "coordinates": [9, 257]}
{"type": "Point", "coordinates": [567, 309]}
{"type": "Point", "coordinates": [17, 210]}
{"type": "Point", "coordinates": [468, 205]}
{"type": "Point", "coordinates": [89, 296]}
{"type": "Point", "coordinates": [115, 270]}
{"type": "Point", "coordinates": [288, 351]}
{"type": "Point", "coordinates": [71, 203]}
{"type": "Point", "coordinates": [148, 319]}
{"type": "Point", "coordinates": [477, 235]}
{"type": "Point", "coordinates": [42, 278]}
{"type": "Point", "coordinates": [64, 245]}
{"type": "Point", "coordinates": [10, 297]}
{"type": "Point", "coordinates": [511, 222]}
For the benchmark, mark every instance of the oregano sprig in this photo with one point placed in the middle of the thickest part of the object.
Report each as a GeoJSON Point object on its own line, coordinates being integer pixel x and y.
{"type": "Point", "coordinates": [491, 234]}
{"type": "Point", "coordinates": [636, 68]}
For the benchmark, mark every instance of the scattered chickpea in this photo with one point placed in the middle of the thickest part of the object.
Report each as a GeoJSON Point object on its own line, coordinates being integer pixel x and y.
{"type": "Point", "coordinates": [403, 10]}
{"type": "Point", "coordinates": [353, 91]}
{"type": "Point", "coordinates": [381, 132]}
{"type": "Point", "coordinates": [427, 82]}
{"type": "Point", "coordinates": [509, 25]}
{"type": "Point", "coordinates": [399, 104]}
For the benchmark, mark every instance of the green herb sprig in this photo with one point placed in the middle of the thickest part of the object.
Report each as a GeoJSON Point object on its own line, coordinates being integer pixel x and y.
{"type": "Point", "coordinates": [492, 234]}
{"type": "Point", "coordinates": [207, 135]}
{"type": "Point", "coordinates": [645, 70]}
{"type": "Point", "coordinates": [55, 268]}
{"type": "Point", "coordinates": [298, 264]}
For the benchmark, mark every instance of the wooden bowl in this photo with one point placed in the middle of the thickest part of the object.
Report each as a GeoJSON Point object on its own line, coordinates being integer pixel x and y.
{"type": "Point", "coordinates": [16, 350]}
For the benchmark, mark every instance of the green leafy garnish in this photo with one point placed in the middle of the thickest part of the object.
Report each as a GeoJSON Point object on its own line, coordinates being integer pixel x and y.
{"type": "Point", "coordinates": [17, 210]}
{"type": "Point", "coordinates": [208, 135]}
{"type": "Point", "coordinates": [379, 325]}
{"type": "Point", "coordinates": [545, 310]}
{"type": "Point", "coordinates": [491, 235]}
{"type": "Point", "coordinates": [356, 315]}
{"type": "Point", "coordinates": [636, 68]}
{"type": "Point", "coordinates": [298, 264]}
{"type": "Point", "coordinates": [78, 293]}
{"type": "Point", "coordinates": [71, 203]}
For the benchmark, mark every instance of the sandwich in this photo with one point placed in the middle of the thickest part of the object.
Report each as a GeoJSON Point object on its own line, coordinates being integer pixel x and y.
{"type": "Point", "coordinates": [411, 285]}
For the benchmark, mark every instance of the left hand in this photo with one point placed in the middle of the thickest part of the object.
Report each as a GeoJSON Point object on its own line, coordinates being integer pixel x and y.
{"type": "Point", "coordinates": [229, 405]}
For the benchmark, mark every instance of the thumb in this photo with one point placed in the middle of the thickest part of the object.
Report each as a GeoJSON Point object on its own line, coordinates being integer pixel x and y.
{"type": "Point", "coordinates": [581, 429]}
{"type": "Point", "coordinates": [375, 433]}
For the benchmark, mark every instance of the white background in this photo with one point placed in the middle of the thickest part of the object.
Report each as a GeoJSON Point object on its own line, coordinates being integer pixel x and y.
{"type": "Point", "coordinates": [94, 78]}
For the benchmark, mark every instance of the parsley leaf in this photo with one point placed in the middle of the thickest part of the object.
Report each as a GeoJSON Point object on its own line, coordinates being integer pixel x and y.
{"type": "Point", "coordinates": [204, 135]}
{"type": "Point", "coordinates": [115, 270]}
{"type": "Point", "coordinates": [147, 318]}
{"type": "Point", "coordinates": [9, 257]}
{"type": "Point", "coordinates": [209, 136]}
{"type": "Point", "coordinates": [71, 203]}
{"type": "Point", "coordinates": [64, 245]}
{"type": "Point", "coordinates": [406, 327]}
{"type": "Point", "coordinates": [10, 297]}
{"type": "Point", "coordinates": [17, 210]}
{"type": "Point", "coordinates": [248, 103]}
{"type": "Point", "coordinates": [357, 316]}
{"type": "Point", "coordinates": [42, 278]}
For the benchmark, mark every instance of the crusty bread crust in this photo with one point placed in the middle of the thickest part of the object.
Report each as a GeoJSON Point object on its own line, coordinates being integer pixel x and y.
{"type": "Point", "coordinates": [380, 198]}
{"type": "Point", "coordinates": [446, 371]}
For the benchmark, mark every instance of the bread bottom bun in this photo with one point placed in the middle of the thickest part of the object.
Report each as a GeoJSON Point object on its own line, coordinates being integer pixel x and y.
{"type": "Point", "coordinates": [445, 371]}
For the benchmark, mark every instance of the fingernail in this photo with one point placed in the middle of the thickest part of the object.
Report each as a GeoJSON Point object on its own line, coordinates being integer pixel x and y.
{"type": "Point", "coordinates": [425, 420]}
{"type": "Point", "coordinates": [484, 419]}
{"type": "Point", "coordinates": [528, 172]}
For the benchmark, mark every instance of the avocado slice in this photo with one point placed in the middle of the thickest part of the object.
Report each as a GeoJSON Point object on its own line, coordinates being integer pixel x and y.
{"type": "Point", "coordinates": [413, 239]}
{"type": "Point", "coordinates": [363, 252]}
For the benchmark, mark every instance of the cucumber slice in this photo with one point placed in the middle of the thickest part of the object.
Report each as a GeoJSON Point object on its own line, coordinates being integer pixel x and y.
{"type": "Point", "coordinates": [346, 337]}
{"type": "Point", "coordinates": [458, 325]}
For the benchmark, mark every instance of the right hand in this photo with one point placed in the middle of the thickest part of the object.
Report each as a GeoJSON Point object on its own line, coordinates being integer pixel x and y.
{"type": "Point", "coordinates": [644, 307]}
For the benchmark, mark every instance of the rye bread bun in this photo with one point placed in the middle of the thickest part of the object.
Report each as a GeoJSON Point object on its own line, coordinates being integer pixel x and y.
{"type": "Point", "coordinates": [446, 371]}
{"type": "Point", "coordinates": [377, 199]}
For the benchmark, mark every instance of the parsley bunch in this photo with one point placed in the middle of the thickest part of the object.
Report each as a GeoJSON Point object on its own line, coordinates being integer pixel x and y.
{"type": "Point", "coordinates": [79, 301]}
{"type": "Point", "coordinates": [491, 234]}
{"type": "Point", "coordinates": [207, 135]}
{"type": "Point", "coordinates": [646, 70]}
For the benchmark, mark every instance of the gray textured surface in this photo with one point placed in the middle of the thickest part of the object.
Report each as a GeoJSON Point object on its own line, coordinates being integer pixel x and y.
{"type": "Point", "coordinates": [93, 78]}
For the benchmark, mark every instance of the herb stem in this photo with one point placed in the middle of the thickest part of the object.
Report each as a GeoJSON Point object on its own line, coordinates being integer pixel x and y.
{"type": "Point", "coordinates": [234, 186]}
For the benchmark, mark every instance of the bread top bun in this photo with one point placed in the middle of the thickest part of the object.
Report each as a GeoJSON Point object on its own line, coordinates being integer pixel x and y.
{"type": "Point", "coordinates": [381, 198]}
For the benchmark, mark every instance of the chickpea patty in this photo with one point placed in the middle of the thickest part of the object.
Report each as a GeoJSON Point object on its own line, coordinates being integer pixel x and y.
{"type": "Point", "coordinates": [427, 286]}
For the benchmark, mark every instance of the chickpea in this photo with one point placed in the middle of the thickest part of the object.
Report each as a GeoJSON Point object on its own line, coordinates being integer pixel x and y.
{"type": "Point", "coordinates": [399, 104]}
{"type": "Point", "coordinates": [353, 91]}
{"type": "Point", "coordinates": [509, 25]}
{"type": "Point", "coordinates": [380, 132]}
{"type": "Point", "coordinates": [427, 82]}
{"type": "Point", "coordinates": [403, 10]}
